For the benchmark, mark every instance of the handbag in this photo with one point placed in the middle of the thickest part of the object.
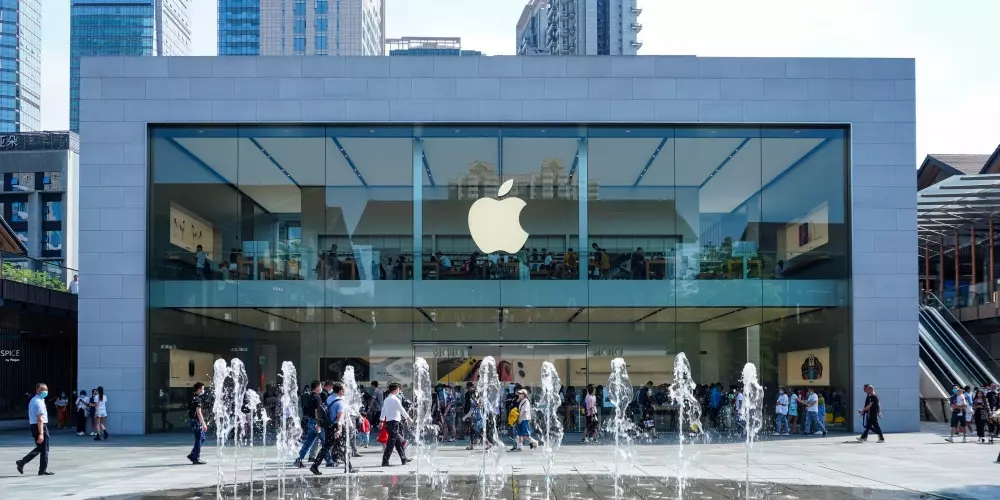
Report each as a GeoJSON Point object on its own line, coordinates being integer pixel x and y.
{"type": "Point", "coordinates": [383, 434]}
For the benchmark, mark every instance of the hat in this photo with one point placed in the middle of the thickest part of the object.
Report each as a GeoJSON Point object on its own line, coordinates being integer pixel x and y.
{"type": "Point", "coordinates": [522, 391]}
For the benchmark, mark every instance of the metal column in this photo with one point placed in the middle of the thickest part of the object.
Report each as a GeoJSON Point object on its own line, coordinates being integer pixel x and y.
{"type": "Point", "coordinates": [927, 266]}
{"type": "Point", "coordinates": [990, 272]}
{"type": "Point", "coordinates": [972, 245]}
{"type": "Point", "coordinates": [957, 277]}
{"type": "Point", "coordinates": [941, 270]}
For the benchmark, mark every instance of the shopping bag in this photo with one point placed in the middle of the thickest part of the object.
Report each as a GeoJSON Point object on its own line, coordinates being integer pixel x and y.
{"type": "Point", "coordinates": [383, 434]}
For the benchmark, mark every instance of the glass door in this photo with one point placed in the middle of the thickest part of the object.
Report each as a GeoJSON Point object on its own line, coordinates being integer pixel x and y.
{"type": "Point", "coordinates": [521, 364]}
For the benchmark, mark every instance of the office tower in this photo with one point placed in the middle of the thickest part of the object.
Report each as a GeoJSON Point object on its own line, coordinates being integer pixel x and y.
{"type": "Point", "coordinates": [124, 28]}
{"type": "Point", "coordinates": [20, 65]}
{"type": "Point", "coordinates": [302, 27]}
{"type": "Point", "coordinates": [239, 27]}
{"type": "Point", "coordinates": [579, 27]}
{"type": "Point", "coordinates": [428, 46]}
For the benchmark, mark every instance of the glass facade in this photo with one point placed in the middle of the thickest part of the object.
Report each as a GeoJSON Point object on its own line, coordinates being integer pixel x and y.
{"type": "Point", "coordinates": [20, 65]}
{"type": "Point", "coordinates": [239, 28]}
{"type": "Point", "coordinates": [351, 245]}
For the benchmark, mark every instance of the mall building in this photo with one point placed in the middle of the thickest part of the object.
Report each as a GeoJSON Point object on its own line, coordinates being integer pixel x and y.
{"type": "Point", "coordinates": [317, 210]}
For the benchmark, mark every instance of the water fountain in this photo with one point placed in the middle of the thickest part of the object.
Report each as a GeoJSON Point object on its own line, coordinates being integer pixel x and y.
{"type": "Point", "coordinates": [253, 405]}
{"type": "Point", "coordinates": [750, 413]}
{"type": "Point", "coordinates": [221, 376]}
{"type": "Point", "coordinates": [688, 414]}
{"type": "Point", "coordinates": [489, 394]}
{"type": "Point", "coordinates": [352, 398]}
{"type": "Point", "coordinates": [290, 429]}
{"type": "Point", "coordinates": [425, 431]}
{"type": "Point", "coordinates": [620, 426]}
{"type": "Point", "coordinates": [238, 418]}
{"type": "Point", "coordinates": [552, 429]}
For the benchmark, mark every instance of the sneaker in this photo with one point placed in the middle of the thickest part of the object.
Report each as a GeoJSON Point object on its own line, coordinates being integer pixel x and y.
{"type": "Point", "coordinates": [20, 467]}
{"type": "Point", "coordinates": [298, 463]}
{"type": "Point", "coordinates": [950, 439]}
{"type": "Point", "coordinates": [881, 441]}
{"type": "Point", "coordinates": [533, 445]}
{"type": "Point", "coordinates": [93, 433]}
{"type": "Point", "coordinates": [824, 433]}
{"type": "Point", "coordinates": [356, 455]}
{"type": "Point", "coordinates": [79, 434]}
{"type": "Point", "coordinates": [315, 471]}
{"type": "Point", "coordinates": [862, 440]}
{"type": "Point", "coordinates": [45, 473]}
{"type": "Point", "coordinates": [786, 434]}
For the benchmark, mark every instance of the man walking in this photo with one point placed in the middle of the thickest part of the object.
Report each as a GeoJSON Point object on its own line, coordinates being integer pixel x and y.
{"type": "Point", "coordinates": [391, 416]}
{"type": "Point", "coordinates": [873, 410]}
{"type": "Point", "coordinates": [196, 419]}
{"type": "Point", "coordinates": [38, 418]}
{"type": "Point", "coordinates": [311, 407]}
{"type": "Point", "coordinates": [812, 413]}
{"type": "Point", "coordinates": [336, 419]}
{"type": "Point", "coordinates": [781, 413]}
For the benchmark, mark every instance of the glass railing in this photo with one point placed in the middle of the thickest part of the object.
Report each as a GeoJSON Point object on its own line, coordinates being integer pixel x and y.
{"type": "Point", "coordinates": [43, 273]}
{"type": "Point", "coordinates": [365, 263]}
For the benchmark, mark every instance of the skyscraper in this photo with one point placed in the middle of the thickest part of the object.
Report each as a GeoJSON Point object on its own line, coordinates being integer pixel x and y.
{"type": "Point", "coordinates": [579, 27]}
{"type": "Point", "coordinates": [302, 27]}
{"type": "Point", "coordinates": [124, 28]}
{"type": "Point", "coordinates": [20, 65]}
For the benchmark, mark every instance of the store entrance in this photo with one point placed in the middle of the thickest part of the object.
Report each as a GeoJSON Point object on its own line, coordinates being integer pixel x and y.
{"type": "Point", "coordinates": [455, 364]}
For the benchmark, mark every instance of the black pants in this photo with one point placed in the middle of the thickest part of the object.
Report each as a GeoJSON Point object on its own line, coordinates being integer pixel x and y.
{"type": "Point", "coordinates": [979, 417]}
{"type": "Point", "coordinates": [40, 449]}
{"type": "Point", "coordinates": [393, 428]}
{"type": "Point", "coordinates": [333, 443]}
{"type": "Point", "coordinates": [81, 420]}
{"type": "Point", "coordinates": [872, 426]}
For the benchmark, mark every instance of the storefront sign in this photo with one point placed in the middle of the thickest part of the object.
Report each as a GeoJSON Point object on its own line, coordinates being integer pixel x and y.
{"type": "Point", "coordinates": [608, 352]}
{"type": "Point", "coordinates": [10, 355]}
{"type": "Point", "coordinates": [8, 141]}
{"type": "Point", "coordinates": [451, 352]}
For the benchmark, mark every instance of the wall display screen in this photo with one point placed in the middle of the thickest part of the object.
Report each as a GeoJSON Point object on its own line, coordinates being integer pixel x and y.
{"type": "Point", "coordinates": [188, 367]}
{"type": "Point", "coordinates": [805, 368]}
{"type": "Point", "coordinates": [383, 370]}
{"type": "Point", "coordinates": [187, 230]}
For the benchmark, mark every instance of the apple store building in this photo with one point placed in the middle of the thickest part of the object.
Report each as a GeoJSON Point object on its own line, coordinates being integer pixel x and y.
{"type": "Point", "coordinates": [364, 212]}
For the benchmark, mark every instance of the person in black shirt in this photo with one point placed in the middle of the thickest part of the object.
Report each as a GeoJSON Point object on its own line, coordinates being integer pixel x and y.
{"type": "Point", "coordinates": [196, 420]}
{"type": "Point", "coordinates": [638, 264]}
{"type": "Point", "coordinates": [310, 404]}
{"type": "Point", "coordinates": [873, 410]}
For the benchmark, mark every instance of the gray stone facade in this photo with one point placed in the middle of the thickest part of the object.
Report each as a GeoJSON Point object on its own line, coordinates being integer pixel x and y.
{"type": "Point", "coordinates": [121, 96]}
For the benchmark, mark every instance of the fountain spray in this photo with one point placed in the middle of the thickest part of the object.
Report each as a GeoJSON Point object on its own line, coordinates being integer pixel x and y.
{"type": "Point", "coordinates": [688, 413]}
{"type": "Point", "coordinates": [620, 395]}
{"type": "Point", "coordinates": [220, 413]}
{"type": "Point", "coordinates": [290, 430]}
{"type": "Point", "coordinates": [488, 392]}
{"type": "Point", "coordinates": [549, 405]}
{"type": "Point", "coordinates": [750, 412]}
{"type": "Point", "coordinates": [238, 419]}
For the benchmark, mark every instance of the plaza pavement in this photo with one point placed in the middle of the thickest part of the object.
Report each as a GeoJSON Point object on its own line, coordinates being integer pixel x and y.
{"type": "Point", "coordinates": [906, 464]}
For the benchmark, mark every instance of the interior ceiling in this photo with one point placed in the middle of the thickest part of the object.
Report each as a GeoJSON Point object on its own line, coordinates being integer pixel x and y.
{"type": "Point", "coordinates": [710, 318]}
{"type": "Point", "coordinates": [273, 169]}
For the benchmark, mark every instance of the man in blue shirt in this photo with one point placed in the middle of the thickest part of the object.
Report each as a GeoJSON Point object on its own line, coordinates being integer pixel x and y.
{"type": "Point", "coordinates": [334, 441]}
{"type": "Point", "coordinates": [38, 417]}
{"type": "Point", "coordinates": [714, 402]}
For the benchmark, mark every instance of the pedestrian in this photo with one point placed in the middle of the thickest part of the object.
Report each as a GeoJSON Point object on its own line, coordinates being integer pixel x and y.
{"type": "Point", "coordinates": [958, 409]}
{"type": "Point", "coordinates": [91, 412]}
{"type": "Point", "coordinates": [980, 413]}
{"type": "Point", "coordinates": [476, 423]}
{"type": "Point", "coordinates": [872, 411]}
{"type": "Point", "coordinates": [82, 405]}
{"type": "Point", "coordinates": [793, 411]}
{"type": "Point", "coordinates": [312, 405]}
{"type": "Point", "coordinates": [100, 405]}
{"type": "Point", "coordinates": [522, 428]}
{"type": "Point", "coordinates": [375, 406]}
{"type": "Point", "coordinates": [335, 420]}
{"type": "Point", "coordinates": [781, 413]}
{"type": "Point", "coordinates": [392, 416]}
{"type": "Point", "coordinates": [450, 413]}
{"type": "Point", "coordinates": [812, 414]}
{"type": "Point", "coordinates": [196, 420]}
{"type": "Point", "coordinates": [590, 415]}
{"type": "Point", "coordinates": [38, 419]}
{"type": "Point", "coordinates": [62, 410]}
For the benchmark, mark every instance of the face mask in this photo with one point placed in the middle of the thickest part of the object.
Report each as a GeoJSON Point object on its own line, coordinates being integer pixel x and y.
{"type": "Point", "coordinates": [44, 394]}
{"type": "Point", "coordinates": [954, 391]}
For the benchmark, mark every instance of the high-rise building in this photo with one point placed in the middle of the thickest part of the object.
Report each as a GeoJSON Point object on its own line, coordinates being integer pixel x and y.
{"type": "Point", "coordinates": [20, 65]}
{"type": "Point", "coordinates": [579, 27]}
{"type": "Point", "coordinates": [239, 27]}
{"type": "Point", "coordinates": [428, 46]}
{"type": "Point", "coordinates": [124, 28]}
{"type": "Point", "coordinates": [301, 27]}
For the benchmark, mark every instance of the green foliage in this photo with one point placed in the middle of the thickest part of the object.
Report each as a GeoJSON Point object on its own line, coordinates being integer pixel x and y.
{"type": "Point", "coordinates": [37, 278]}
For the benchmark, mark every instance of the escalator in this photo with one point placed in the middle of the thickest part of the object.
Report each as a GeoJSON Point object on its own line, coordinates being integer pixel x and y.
{"type": "Point", "coordinates": [946, 357]}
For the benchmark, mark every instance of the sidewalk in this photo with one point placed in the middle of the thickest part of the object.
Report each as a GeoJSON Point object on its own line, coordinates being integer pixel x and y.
{"type": "Point", "coordinates": [917, 462]}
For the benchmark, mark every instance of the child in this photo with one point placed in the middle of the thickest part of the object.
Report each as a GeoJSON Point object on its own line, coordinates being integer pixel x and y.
{"type": "Point", "coordinates": [523, 428]}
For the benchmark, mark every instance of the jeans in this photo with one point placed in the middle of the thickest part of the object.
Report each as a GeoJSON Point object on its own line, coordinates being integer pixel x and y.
{"type": "Point", "coordinates": [199, 439]}
{"type": "Point", "coordinates": [40, 449]}
{"type": "Point", "coordinates": [311, 436]}
{"type": "Point", "coordinates": [813, 417]}
{"type": "Point", "coordinates": [781, 420]}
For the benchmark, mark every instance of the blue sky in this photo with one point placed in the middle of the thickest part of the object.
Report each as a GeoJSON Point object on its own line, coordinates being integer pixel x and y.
{"type": "Point", "coordinates": [955, 45]}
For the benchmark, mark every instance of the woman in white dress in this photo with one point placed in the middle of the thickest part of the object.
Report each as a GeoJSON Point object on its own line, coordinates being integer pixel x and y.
{"type": "Point", "coordinates": [100, 405]}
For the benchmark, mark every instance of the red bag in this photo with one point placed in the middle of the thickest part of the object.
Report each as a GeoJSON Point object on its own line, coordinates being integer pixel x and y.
{"type": "Point", "coordinates": [383, 434]}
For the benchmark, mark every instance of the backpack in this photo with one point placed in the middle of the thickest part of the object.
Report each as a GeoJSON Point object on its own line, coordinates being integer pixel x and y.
{"type": "Point", "coordinates": [323, 414]}
{"type": "Point", "coordinates": [512, 416]}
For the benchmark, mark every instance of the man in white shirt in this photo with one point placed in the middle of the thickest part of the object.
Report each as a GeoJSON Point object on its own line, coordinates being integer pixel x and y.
{"type": "Point", "coordinates": [391, 416]}
{"type": "Point", "coordinates": [781, 413]}
{"type": "Point", "coordinates": [38, 418]}
{"type": "Point", "coordinates": [74, 286]}
{"type": "Point", "coordinates": [812, 414]}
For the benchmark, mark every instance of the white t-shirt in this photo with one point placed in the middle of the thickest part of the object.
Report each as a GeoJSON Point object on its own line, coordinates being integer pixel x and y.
{"type": "Point", "coordinates": [813, 398]}
{"type": "Point", "coordinates": [74, 287]}
{"type": "Point", "coordinates": [102, 404]}
{"type": "Point", "coordinates": [782, 407]}
{"type": "Point", "coordinates": [82, 402]}
{"type": "Point", "coordinates": [524, 410]}
{"type": "Point", "coordinates": [392, 409]}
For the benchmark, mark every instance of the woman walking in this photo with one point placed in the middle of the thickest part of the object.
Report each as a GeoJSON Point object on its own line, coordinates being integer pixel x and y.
{"type": "Point", "coordinates": [82, 405]}
{"type": "Point", "coordinates": [980, 414]}
{"type": "Point", "coordinates": [100, 414]}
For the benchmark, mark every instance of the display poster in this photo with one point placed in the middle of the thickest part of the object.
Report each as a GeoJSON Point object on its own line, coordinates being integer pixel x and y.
{"type": "Point", "coordinates": [188, 367]}
{"type": "Point", "coordinates": [806, 234]}
{"type": "Point", "coordinates": [805, 368]}
{"type": "Point", "coordinates": [187, 230]}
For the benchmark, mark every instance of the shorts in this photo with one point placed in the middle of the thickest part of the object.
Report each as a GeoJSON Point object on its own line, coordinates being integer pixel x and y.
{"type": "Point", "coordinates": [102, 413]}
{"type": "Point", "coordinates": [523, 428]}
{"type": "Point", "coordinates": [957, 418]}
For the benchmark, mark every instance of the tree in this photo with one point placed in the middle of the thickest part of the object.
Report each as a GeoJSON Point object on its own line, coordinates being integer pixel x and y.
{"type": "Point", "coordinates": [37, 278]}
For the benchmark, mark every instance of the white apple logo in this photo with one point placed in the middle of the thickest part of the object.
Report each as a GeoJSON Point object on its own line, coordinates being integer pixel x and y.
{"type": "Point", "coordinates": [496, 224]}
